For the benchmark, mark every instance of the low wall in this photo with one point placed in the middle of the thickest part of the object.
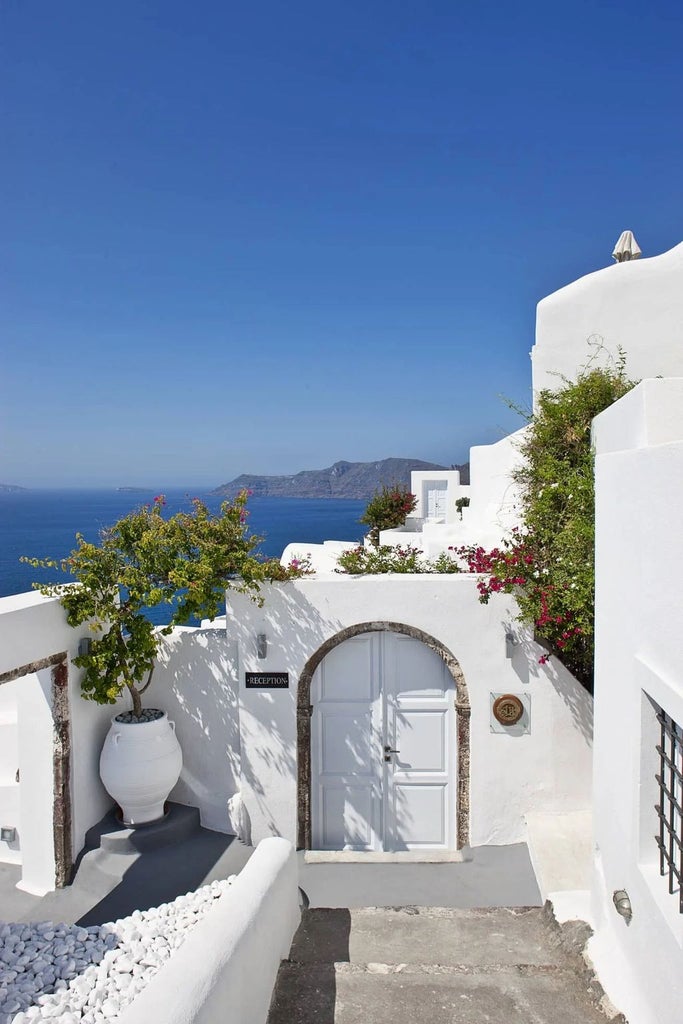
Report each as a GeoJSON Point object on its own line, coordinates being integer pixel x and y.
{"type": "Point", "coordinates": [226, 970]}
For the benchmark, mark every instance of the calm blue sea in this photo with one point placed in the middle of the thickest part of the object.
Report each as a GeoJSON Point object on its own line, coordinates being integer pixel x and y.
{"type": "Point", "coordinates": [43, 524]}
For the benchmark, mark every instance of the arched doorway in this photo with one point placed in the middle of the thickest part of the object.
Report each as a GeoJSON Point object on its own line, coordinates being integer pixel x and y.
{"type": "Point", "coordinates": [387, 795]}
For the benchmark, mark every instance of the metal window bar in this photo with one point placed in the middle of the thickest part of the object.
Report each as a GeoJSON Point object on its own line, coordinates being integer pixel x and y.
{"type": "Point", "coordinates": [670, 806]}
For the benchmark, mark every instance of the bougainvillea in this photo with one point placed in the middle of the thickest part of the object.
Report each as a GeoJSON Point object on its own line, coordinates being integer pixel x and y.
{"type": "Point", "coordinates": [549, 562]}
{"type": "Point", "coordinates": [388, 509]}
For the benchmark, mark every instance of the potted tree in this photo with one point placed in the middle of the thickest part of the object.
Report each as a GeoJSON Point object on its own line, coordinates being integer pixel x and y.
{"type": "Point", "coordinates": [186, 561]}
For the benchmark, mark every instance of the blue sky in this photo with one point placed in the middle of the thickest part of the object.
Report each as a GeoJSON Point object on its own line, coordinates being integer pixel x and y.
{"type": "Point", "coordinates": [261, 238]}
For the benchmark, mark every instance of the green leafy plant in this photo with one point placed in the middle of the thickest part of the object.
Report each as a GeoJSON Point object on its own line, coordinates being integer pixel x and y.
{"type": "Point", "coordinates": [186, 561]}
{"type": "Point", "coordinates": [549, 562]}
{"type": "Point", "coordinates": [462, 503]}
{"type": "Point", "coordinates": [388, 509]}
{"type": "Point", "coordinates": [393, 559]}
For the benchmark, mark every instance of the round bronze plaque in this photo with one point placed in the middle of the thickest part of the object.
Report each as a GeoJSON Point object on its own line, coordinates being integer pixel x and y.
{"type": "Point", "coordinates": [508, 709]}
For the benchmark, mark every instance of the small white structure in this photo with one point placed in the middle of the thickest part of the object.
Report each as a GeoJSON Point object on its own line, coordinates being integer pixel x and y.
{"type": "Point", "coordinates": [437, 492]}
{"type": "Point", "coordinates": [493, 502]}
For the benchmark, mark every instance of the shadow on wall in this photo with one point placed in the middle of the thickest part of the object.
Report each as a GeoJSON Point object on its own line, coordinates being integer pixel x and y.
{"type": "Point", "coordinates": [267, 727]}
{"type": "Point", "coordinates": [194, 683]}
{"type": "Point", "coordinates": [525, 663]}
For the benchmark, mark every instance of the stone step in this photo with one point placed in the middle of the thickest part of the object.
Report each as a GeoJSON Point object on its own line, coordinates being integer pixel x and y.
{"type": "Point", "coordinates": [110, 834]}
{"type": "Point", "coordinates": [438, 964]}
{"type": "Point", "coordinates": [370, 994]}
{"type": "Point", "coordinates": [429, 935]}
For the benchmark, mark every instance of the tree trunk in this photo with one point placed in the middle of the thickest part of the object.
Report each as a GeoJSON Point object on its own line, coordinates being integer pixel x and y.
{"type": "Point", "coordinates": [137, 703]}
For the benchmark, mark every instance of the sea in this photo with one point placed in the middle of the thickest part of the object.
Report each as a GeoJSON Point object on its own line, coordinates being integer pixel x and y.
{"type": "Point", "coordinates": [44, 523]}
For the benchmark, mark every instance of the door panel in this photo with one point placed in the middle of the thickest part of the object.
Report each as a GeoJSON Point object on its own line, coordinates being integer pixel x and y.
{"type": "Point", "coordinates": [377, 691]}
{"type": "Point", "coordinates": [420, 737]}
{"type": "Point", "coordinates": [346, 748]}
{"type": "Point", "coordinates": [419, 718]}
{"type": "Point", "coordinates": [419, 813]}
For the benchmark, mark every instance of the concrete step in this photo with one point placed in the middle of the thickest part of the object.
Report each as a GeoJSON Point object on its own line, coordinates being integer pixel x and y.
{"type": "Point", "coordinates": [437, 964]}
{"type": "Point", "coordinates": [373, 994]}
{"type": "Point", "coordinates": [428, 935]}
{"type": "Point", "coordinates": [110, 834]}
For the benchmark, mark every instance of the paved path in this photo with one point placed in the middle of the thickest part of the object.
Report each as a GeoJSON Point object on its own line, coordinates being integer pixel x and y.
{"type": "Point", "coordinates": [484, 876]}
{"type": "Point", "coordinates": [437, 965]}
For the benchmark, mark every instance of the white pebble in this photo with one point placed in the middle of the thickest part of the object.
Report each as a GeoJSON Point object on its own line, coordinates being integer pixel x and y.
{"type": "Point", "coordinates": [75, 975]}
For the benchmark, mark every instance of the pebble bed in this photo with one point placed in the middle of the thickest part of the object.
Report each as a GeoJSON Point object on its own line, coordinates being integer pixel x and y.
{"type": "Point", "coordinates": [68, 974]}
{"type": "Point", "coordinates": [147, 715]}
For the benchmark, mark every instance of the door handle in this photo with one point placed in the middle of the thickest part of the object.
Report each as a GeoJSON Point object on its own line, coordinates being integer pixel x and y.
{"type": "Point", "coordinates": [388, 751]}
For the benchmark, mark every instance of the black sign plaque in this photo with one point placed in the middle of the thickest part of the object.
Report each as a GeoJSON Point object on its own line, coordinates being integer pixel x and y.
{"type": "Point", "coordinates": [267, 680]}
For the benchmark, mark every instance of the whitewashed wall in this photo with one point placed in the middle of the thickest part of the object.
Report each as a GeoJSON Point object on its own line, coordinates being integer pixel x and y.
{"type": "Point", "coordinates": [639, 652]}
{"type": "Point", "coordinates": [636, 305]}
{"type": "Point", "coordinates": [33, 627]}
{"type": "Point", "coordinates": [227, 968]}
{"type": "Point", "coordinates": [193, 684]}
{"type": "Point", "coordinates": [511, 775]}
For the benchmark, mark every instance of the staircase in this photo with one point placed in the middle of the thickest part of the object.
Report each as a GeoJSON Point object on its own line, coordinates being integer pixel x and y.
{"type": "Point", "coordinates": [440, 966]}
{"type": "Point", "coordinates": [121, 870]}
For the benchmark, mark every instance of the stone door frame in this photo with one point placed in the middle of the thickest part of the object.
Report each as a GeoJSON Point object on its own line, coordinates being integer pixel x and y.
{"type": "Point", "coordinates": [61, 758]}
{"type": "Point", "coordinates": [305, 710]}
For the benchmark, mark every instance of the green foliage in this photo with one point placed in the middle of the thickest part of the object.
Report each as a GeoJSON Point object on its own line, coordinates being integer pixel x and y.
{"type": "Point", "coordinates": [187, 561]}
{"type": "Point", "coordinates": [389, 559]}
{"type": "Point", "coordinates": [549, 563]}
{"type": "Point", "coordinates": [462, 503]}
{"type": "Point", "coordinates": [388, 509]}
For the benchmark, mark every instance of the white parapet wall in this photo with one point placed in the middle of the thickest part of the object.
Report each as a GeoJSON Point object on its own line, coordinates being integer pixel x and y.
{"type": "Point", "coordinates": [547, 769]}
{"type": "Point", "coordinates": [639, 654]}
{"type": "Point", "coordinates": [636, 306]}
{"type": "Point", "coordinates": [227, 968]}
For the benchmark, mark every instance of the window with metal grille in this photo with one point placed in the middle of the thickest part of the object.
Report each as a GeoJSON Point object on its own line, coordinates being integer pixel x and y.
{"type": "Point", "coordinates": [670, 806]}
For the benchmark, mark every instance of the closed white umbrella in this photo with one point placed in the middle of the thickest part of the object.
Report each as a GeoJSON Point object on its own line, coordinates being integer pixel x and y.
{"type": "Point", "coordinates": [626, 248]}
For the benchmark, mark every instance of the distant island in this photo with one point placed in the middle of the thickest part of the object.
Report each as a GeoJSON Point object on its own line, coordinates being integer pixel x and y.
{"type": "Point", "coordinates": [135, 490]}
{"type": "Point", "coordinates": [11, 488]}
{"type": "Point", "coordinates": [352, 480]}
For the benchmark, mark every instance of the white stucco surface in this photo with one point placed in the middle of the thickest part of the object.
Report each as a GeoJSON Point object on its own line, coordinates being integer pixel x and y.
{"type": "Point", "coordinates": [639, 653]}
{"type": "Point", "coordinates": [547, 769]}
{"type": "Point", "coordinates": [194, 685]}
{"type": "Point", "coordinates": [636, 305]}
{"type": "Point", "coordinates": [226, 969]}
{"type": "Point", "coordinates": [31, 628]}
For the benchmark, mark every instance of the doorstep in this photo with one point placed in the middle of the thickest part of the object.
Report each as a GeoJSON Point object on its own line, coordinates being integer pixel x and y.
{"type": "Point", "coordinates": [372, 857]}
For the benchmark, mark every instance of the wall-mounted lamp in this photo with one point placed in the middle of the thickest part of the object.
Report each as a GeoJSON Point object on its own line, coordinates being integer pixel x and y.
{"type": "Point", "coordinates": [261, 645]}
{"type": "Point", "coordinates": [511, 642]}
{"type": "Point", "coordinates": [84, 646]}
{"type": "Point", "coordinates": [7, 834]}
{"type": "Point", "coordinates": [622, 904]}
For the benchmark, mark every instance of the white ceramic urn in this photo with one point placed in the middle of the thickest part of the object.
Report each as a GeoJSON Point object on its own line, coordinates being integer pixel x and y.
{"type": "Point", "coordinates": [139, 766]}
